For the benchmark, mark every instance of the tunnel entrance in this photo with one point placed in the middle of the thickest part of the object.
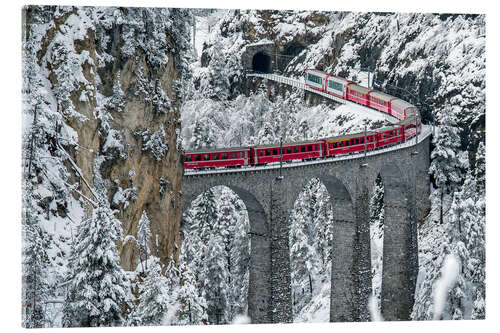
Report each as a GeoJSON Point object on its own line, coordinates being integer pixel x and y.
{"type": "Point", "coordinates": [261, 62]}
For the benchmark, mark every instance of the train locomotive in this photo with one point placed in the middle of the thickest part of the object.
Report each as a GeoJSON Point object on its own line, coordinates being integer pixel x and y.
{"type": "Point", "coordinates": [409, 125]}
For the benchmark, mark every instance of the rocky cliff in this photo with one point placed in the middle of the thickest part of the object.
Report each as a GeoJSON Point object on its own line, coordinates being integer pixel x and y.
{"type": "Point", "coordinates": [108, 79]}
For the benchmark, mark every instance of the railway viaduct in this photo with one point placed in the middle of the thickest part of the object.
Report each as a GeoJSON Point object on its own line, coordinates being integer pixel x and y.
{"type": "Point", "coordinates": [269, 200]}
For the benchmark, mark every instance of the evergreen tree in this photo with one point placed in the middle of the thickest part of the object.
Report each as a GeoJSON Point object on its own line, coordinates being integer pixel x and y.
{"type": "Point", "coordinates": [446, 166]}
{"type": "Point", "coordinates": [216, 251]}
{"type": "Point", "coordinates": [98, 291]}
{"type": "Point", "coordinates": [191, 306]}
{"type": "Point", "coordinates": [34, 266]}
{"type": "Point", "coordinates": [155, 298]}
{"type": "Point", "coordinates": [215, 284]}
{"type": "Point", "coordinates": [143, 238]}
{"type": "Point", "coordinates": [220, 86]}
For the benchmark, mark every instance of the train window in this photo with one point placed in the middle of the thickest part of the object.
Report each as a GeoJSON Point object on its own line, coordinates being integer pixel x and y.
{"type": "Point", "coordinates": [362, 140]}
{"type": "Point", "coordinates": [335, 85]}
{"type": "Point", "coordinates": [233, 155]}
{"type": "Point", "coordinates": [289, 150]}
{"type": "Point", "coordinates": [198, 157]}
{"type": "Point", "coordinates": [275, 151]}
{"type": "Point", "coordinates": [224, 156]}
{"type": "Point", "coordinates": [206, 157]}
{"type": "Point", "coordinates": [188, 158]}
{"type": "Point", "coordinates": [313, 78]}
{"type": "Point", "coordinates": [302, 149]}
{"type": "Point", "coordinates": [261, 153]}
{"type": "Point", "coordinates": [309, 148]}
{"type": "Point", "coordinates": [215, 156]}
{"type": "Point", "coordinates": [295, 149]}
{"type": "Point", "coordinates": [335, 145]}
{"type": "Point", "coordinates": [241, 154]}
{"type": "Point", "coordinates": [268, 152]}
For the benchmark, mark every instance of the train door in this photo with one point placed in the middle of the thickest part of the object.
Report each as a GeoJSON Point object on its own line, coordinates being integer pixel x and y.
{"type": "Point", "coordinates": [245, 161]}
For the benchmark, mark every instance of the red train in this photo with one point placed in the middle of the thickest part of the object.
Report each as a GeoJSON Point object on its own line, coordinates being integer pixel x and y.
{"type": "Point", "coordinates": [351, 91]}
{"type": "Point", "coordinates": [321, 148]}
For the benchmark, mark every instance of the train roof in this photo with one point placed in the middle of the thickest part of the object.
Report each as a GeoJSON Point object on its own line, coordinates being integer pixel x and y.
{"type": "Point", "coordinates": [338, 78]}
{"type": "Point", "coordinates": [384, 96]}
{"type": "Point", "coordinates": [402, 104]}
{"type": "Point", "coordinates": [217, 150]}
{"type": "Point", "coordinates": [349, 136]}
{"type": "Point", "coordinates": [286, 144]}
{"type": "Point", "coordinates": [316, 71]}
{"type": "Point", "coordinates": [359, 88]}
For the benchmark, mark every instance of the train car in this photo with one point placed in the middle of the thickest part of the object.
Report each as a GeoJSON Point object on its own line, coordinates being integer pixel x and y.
{"type": "Point", "coordinates": [350, 143]}
{"type": "Point", "coordinates": [215, 158]}
{"type": "Point", "coordinates": [409, 125]}
{"type": "Point", "coordinates": [358, 94]}
{"type": "Point", "coordinates": [390, 135]}
{"type": "Point", "coordinates": [316, 79]}
{"type": "Point", "coordinates": [381, 101]}
{"type": "Point", "coordinates": [337, 86]}
{"type": "Point", "coordinates": [304, 150]}
{"type": "Point", "coordinates": [400, 108]}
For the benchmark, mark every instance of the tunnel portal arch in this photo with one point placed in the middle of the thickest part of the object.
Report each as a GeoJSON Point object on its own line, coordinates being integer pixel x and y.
{"type": "Point", "coordinates": [261, 62]}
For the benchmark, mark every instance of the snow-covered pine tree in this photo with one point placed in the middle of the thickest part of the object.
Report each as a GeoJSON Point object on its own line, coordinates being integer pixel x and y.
{"type": "Point", "coordinates": [476, 241]}
{"type": "Point", "coordinates": [155, 297]}
{"type": "Point", "coordinates": [216, 281]}
{"type": "Point", "coordinates": [446, 166]}
{"type": "Point", "coordinates": [143, 239]}
{"type": "Point", "coordinates": [233, 228]}
{"type": "Point", "coordinates": [192, 308]}
{"type": "Point", "coordinates": [98, 292]}
{"type": "Point", "coordinates": [201, 137]}
{"type": "Point", "coordinates": [34, 265]}
{"type": "Point", "coordinates": [467, 233]}
{"type": "Point", "coordinates": [303, 265]}
{"type": "Point", "coordinates": [205, 216]}
{"type": "Point", "coordinates": [220, 87]}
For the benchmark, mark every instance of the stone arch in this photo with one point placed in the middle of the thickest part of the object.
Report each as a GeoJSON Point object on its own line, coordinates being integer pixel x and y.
{"type": "Point", "coordinates": [259, 288]}
{"type": "Point", "coordinates": [261, 62]}
{"type": "Point", "coordinates": [399, 255]}
{"type": "Point", "coordinates": [345, 295]}
{"type": "Point", "coordinates": [300, 228]}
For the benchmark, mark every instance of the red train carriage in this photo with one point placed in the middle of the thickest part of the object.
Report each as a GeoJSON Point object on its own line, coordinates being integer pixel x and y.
{"type": "Point", "coordinates": [213, 158]}
{"type": "Point", "coordinates": [409, 126]}
{"type": "Point", "coordinates": [291, 151]}
{"type": "Point", "coordinates": [399, 108]}
{"type": "Point", "coordinates": [316, 79]}
{"type": "Point", "coordinates": [390, 135]}
{"type": "Point", "coordinates": [337, 86]}
{"type": "Point", "coordinates": [358, 94]}
{"type": "Point", "coordinates": [350, 143]}
{"type": "Point", "coordinates": [381, 101]}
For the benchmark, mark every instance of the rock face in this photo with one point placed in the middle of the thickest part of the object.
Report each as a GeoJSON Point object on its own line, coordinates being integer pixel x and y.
{"type": "Point", "coordinates": [114, 74]}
